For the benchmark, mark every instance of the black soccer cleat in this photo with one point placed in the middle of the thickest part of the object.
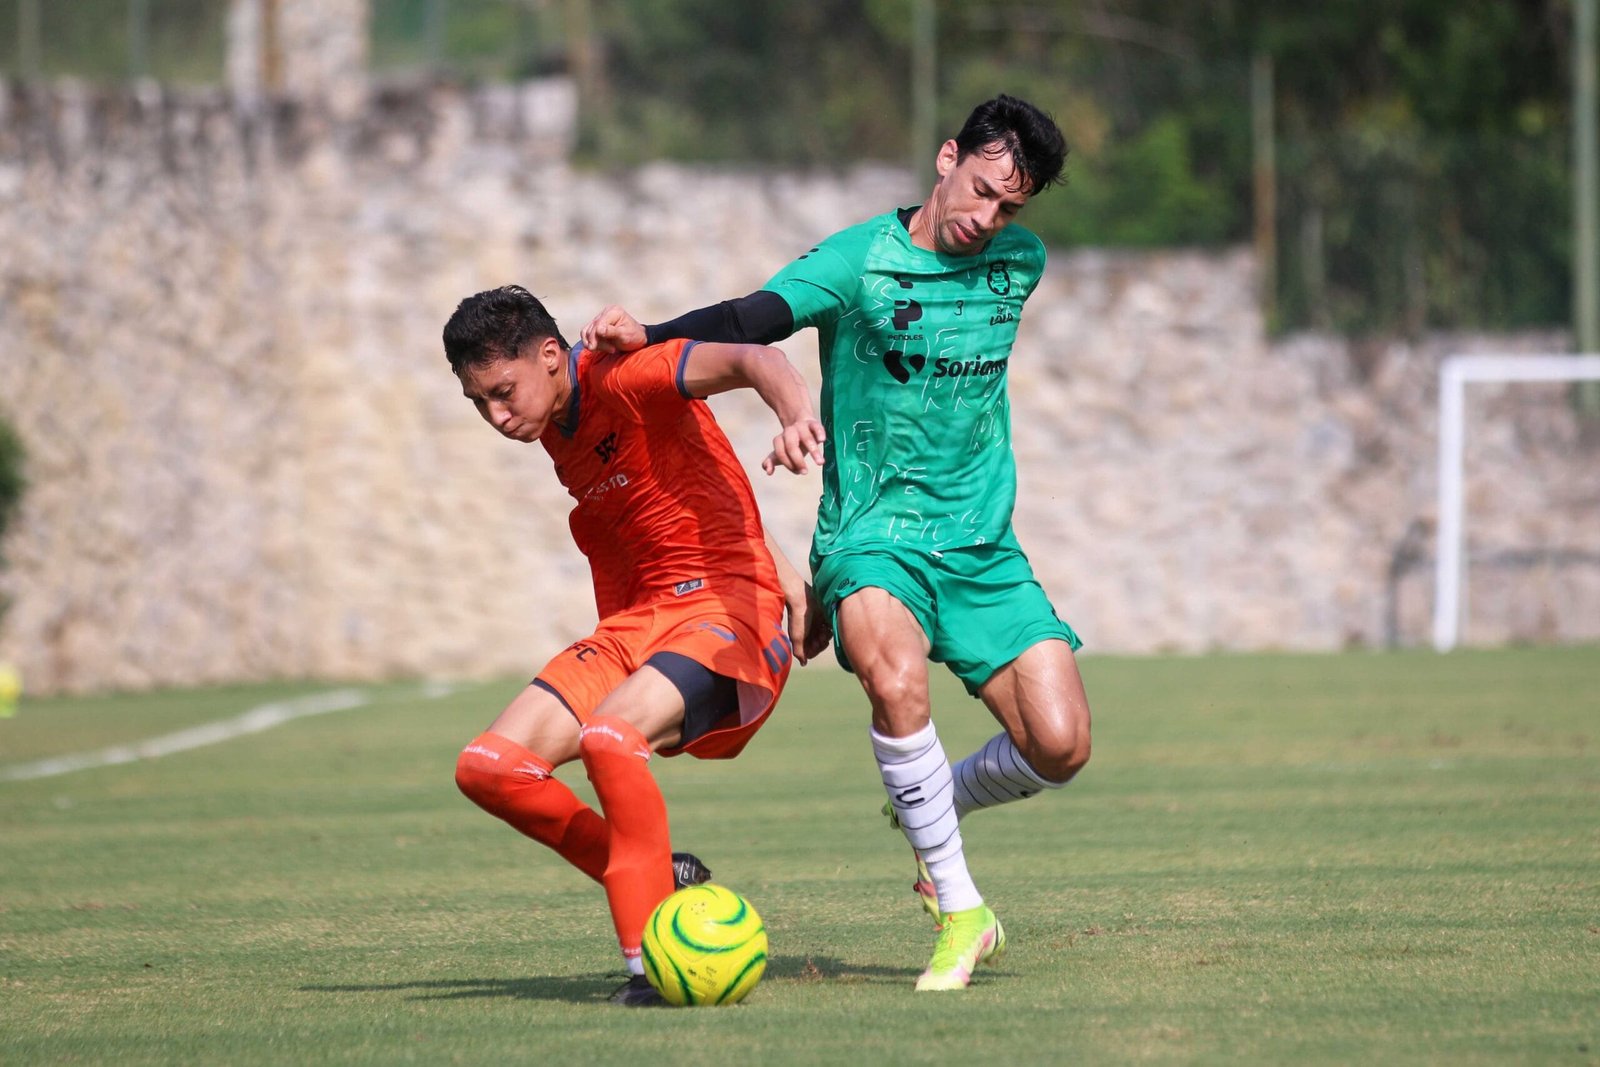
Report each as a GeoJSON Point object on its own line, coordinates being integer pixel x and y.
{"type": "Point", "coordinates": [637, 992]}
{"type": "Point", "coordinates": [687, 870]}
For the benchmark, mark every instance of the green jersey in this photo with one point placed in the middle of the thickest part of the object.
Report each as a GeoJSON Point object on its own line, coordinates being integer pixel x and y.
{"type": "Point", "coordinates": [915, 348]}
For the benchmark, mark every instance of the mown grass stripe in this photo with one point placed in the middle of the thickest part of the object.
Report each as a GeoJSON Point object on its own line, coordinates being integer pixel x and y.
{"type": "Point", "coordinates": [256, 720]}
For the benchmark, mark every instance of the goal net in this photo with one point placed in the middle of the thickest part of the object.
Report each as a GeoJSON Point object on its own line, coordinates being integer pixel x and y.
{"type": "Point", "coordinates": [1450, 577]}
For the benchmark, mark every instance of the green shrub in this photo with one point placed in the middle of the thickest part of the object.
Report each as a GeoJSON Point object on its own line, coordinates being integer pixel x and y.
{"type": "Point", "coordinates": [12, 481]}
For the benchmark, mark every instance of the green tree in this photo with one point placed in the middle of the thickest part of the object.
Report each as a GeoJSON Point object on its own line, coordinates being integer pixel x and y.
{"type": "Point", "coordinates": [12, 483]}
{"type": "Point", "coordinates": [779, 83]}
{"type": "Point", "coordinates": [1422, 144]}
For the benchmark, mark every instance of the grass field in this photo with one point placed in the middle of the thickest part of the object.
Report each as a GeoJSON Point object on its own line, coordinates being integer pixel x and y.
{"type": "Point", "coordinates": [1311, 859]}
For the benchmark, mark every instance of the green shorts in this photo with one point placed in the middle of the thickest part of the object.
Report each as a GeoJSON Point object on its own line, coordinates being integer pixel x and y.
{"type": "Point", "coordinates": [981, 607]}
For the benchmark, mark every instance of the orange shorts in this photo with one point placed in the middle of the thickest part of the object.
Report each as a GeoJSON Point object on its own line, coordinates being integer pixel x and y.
{"type": "Point", "coordinates": [735, 630]}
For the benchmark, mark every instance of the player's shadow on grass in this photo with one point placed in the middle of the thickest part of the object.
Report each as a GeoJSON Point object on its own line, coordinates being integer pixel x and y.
{"type": "Point", "coordinates": [595, 988]}
{"type": "Point", "coordinates": [573, 988]}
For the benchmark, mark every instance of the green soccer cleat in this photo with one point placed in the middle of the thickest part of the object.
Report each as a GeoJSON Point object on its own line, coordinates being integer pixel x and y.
{"type": "Point", "coordinates": [892, 815]}
{"type": "Point", "coordinates": [923, 887]}
{"type": "Point", "coordinates": [968, 938]}
{"type": "Point", "coordinates": [927, 892]}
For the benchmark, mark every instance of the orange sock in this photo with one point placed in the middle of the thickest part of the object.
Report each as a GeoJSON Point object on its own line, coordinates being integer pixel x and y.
{"type": "Point", "coordinates": [639, 873]}
{"type": "Point", "coordinates": [511, 783]}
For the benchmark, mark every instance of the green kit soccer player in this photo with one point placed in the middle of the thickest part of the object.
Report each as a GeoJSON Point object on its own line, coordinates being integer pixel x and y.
{"type": "Point", "coordinates": [914, 556]}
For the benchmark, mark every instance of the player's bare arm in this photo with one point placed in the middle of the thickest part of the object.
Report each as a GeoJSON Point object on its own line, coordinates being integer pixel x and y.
{"type": "Point", "coordinates": [718, 368]}
{"type": "Point", "coordinates": [809, 634]}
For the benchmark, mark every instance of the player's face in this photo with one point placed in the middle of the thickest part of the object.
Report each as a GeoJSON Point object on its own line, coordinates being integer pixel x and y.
{"type": "Point", "coordinates": [974, 199]}
{"type": "Point", "coordinates": [519, 396]}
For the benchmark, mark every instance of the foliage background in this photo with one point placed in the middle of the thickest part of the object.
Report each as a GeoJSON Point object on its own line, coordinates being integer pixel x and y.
{"type": "Point", "coordinates": [1423, 145]}
{"type": "Point", "coordinates": [12, 480]}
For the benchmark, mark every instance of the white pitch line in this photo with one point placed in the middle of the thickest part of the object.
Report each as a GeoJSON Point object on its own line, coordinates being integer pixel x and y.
{"type": "Point", "coordinates": [253, 721]}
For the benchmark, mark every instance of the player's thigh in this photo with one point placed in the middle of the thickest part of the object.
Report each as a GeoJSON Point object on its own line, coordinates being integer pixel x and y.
{"type": "Point", "coordinates": [887, 648]}
{"type": "Point", "coordinates": [1040, 700]}
{"type": "Point", "coordinates": [991, 611]}
{"type": "Point", "coordinates": [651, 703]}
{"type": "Point", "coordinates": [550, 713]}
{"type": "Point", "coordinates": [728, 656]}
{"type": "Point", "coordinates": [537, 720]}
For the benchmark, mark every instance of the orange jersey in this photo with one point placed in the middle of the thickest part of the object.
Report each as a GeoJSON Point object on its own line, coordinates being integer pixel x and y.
{"type": "Point", "coordinates": [663, 505]}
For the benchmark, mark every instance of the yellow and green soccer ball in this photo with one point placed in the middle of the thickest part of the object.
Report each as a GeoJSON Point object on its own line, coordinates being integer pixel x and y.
{"type": "Point", "coordinates": [10, 690]}
{"type": "Point", "coordinates": [704, 945]}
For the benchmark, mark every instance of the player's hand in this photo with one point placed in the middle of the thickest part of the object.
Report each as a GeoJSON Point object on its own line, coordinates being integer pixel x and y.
{"type": "Point", "coordinates": [613, 330]}
{"type": "Point", "coordinates": [809, 634]}
{"type": "Point", "coordinates": [799, 441]}
{"type": "Point", "coordinates": [818, 635]}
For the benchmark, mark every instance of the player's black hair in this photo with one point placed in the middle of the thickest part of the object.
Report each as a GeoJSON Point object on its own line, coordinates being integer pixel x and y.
{"type": "Point", "coordinates": [494, 325]}
{"type": "Point", "coordinates": [1031, 136]}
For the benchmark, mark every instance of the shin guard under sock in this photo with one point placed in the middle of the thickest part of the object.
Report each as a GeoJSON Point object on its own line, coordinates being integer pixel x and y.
{"type": "Point", "coordinates": [638, 875]}
{"type": "Point", "coordinates": [511, 783]}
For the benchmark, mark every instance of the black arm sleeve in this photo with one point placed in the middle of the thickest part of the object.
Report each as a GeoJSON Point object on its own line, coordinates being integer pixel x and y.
{"type": "Point", "coordinates": [757, 319]}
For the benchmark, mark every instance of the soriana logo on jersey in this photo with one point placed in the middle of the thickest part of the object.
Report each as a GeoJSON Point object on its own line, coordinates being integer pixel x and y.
{"type": "Point", "coordinates": [968, 368]}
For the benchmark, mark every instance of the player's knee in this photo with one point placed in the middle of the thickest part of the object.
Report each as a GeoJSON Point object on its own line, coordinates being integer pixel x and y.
{"type": "Point", "coordinates": [480, 777]}
{"type": "Point", "coordinates": [897, 690]}
{"type": "Point", "coordinates": [1057, 755]}
{"type": "Point", "coordinates": [608, 735]}
{"type": "Point", "coordinates": [496, 773]}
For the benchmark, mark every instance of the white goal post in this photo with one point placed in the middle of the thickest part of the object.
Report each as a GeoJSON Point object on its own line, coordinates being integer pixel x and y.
{"type": "Point", "coordinates": [1454, 374]}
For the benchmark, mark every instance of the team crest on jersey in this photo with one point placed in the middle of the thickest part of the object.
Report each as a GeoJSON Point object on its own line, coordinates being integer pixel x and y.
{"type": "Point", "coordinates": [999, 279]}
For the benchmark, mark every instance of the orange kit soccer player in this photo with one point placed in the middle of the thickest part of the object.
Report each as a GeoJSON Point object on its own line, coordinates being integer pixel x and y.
{"type": "Point", "coordinates": [692, 647]}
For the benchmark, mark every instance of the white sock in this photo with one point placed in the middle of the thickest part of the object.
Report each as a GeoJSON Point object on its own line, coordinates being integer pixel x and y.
{"type": "Point", "coordinates": [916, 773]}
{"type": "Point", "coordinates": [635, 963]}
{"type": "Point", "coordinates": [996, 774]}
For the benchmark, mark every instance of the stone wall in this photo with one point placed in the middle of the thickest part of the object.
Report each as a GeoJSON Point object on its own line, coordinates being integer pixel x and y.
{"type": "Point", "coordinates": [219, 338]}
